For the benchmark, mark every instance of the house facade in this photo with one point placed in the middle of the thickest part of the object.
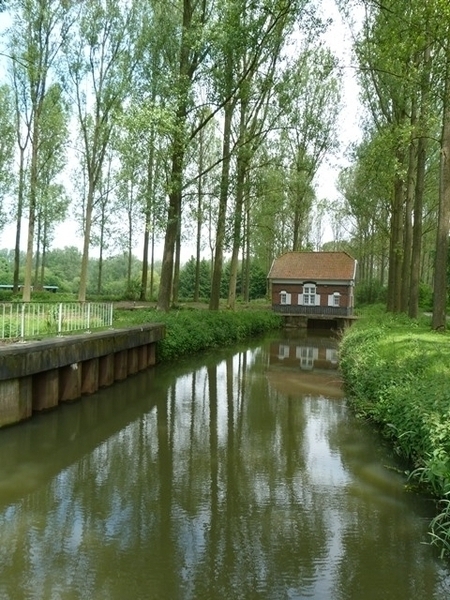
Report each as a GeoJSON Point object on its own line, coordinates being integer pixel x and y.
{"type": "Point", "coordinates": [319, 284]}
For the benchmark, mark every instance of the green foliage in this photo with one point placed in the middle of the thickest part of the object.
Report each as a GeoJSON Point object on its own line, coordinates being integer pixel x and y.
{"type": "Point", "coordinates": [425, 297]}
{"type": "Point", "coordinates": [397, 372]}
{"type": "Point", "coordinates": [133, 289]}
{"type": "Point", "coordinates": [258, 282]}
{"type": "Point", "coordinates": [257, 289]}
{"type": "Point", "coordinates": [370, 292]}
{"type": "Point", "coordinates": [189, 331]}
{"type": "Point", "coordinates": [187, 279]}
{"type": "Point", "coordinates": [63, 269]}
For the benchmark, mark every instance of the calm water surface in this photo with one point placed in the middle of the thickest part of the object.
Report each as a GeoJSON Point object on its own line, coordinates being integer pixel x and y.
{"type": "Point", "coordinates": [242, 475]}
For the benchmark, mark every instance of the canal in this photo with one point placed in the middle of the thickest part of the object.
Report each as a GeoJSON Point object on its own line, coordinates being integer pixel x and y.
{"type": "Point", "coordinates": [240, 475]}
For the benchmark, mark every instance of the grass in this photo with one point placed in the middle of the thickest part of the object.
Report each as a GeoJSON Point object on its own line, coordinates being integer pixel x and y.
{"type": "Point", "coordinates": [397, 373]}
{"type": "Point", "coordinates": [190, 331]}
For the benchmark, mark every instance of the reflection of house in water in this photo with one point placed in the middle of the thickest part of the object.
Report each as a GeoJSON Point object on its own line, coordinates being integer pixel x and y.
{"type": "Point", "coordinates": [307, 353]}
{"type": "Point", "coordinates": [305, 366]}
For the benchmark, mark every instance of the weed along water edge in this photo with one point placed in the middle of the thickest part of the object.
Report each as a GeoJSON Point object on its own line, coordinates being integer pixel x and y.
{"type": "Point", "coordinates": [237, 474]}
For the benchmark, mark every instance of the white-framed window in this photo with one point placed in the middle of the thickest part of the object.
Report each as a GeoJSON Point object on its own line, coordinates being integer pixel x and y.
{"type": "Point", "coordinates": [283, 351]}
{"type": "Point", "coordinates": [331, 355]}
{"type": "Point", "coordinates": [285, 298]}
{"type": "Point", "coordinates": [309, 295]}
{"type": "Point", "coordinates": [334, 299]}
{"type": "Point", "coordinates": [307, 355]}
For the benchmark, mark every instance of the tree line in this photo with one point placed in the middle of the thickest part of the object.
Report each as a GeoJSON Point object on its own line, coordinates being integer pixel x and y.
{"type": "Point", "coordinates": [117, 278]}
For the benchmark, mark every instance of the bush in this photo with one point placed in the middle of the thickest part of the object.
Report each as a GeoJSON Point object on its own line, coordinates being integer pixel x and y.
{"type": "Point", "coordinates": [425, 297]}
{"type": "Point", "coordinates": [190, 331]}
{"type": "Point", "coordinates": [370, 292]}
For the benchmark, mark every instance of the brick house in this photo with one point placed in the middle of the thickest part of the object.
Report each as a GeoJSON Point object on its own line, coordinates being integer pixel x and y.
{"type": "Point", "coordinates": [316, 284]}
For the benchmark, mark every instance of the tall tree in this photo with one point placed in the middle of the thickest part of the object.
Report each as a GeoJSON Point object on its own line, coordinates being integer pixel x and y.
{"type": "Point", "coordinates": [190, 54]}
{"type": "Point", "coordinates": [51, 197]}
{"type": "Point", "coordinates": [38, 31]}
{"type": "Point", "coordinates": [443, 227]}
{"type": "Point", "coordinates": [253, 40]}
{"type": "Point", "coordinates": [100, 58]}
{"type": "Point", "coordinates": [22, 132]}
{"type": "Point", "coordinates": [7, 138]}
{"type": "Point", "coordinates": [394, 72]}
{"type": "Point", "coordinates": [419, 191]}
{"type": "Point", "coordinates": [309, 129]}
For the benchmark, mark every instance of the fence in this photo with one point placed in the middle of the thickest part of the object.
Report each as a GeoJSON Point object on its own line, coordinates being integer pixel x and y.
{"type": "Point", "coordinates": [26, 320]}
{"type": "Point", "coordinates": [310, 311]}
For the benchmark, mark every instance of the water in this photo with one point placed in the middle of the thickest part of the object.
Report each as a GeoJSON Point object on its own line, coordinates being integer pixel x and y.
{"type": "Point", "coordinates": [239, 476]}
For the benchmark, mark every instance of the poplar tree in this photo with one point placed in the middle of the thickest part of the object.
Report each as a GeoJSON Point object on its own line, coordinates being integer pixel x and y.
{"type": "Point", "coordinates": [254, 36]}
{"type": "Point", "coordinates": [100, 59]}
{"type": "Point", "coordinates": [190, 53]}
{"type": "Point", "coordinates": [7, 138]}
{"type": "Point", "coordinates": [38, 31]}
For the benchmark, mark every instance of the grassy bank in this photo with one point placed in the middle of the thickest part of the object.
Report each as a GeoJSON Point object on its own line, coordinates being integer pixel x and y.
{"type": "Point", "coordinates": [397, 373]}
{"type": "Point", "coordinates": [189, 331]}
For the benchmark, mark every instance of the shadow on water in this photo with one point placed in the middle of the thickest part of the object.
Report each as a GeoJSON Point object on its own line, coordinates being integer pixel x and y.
{"type": "Point", "coordinates": [240, 475]}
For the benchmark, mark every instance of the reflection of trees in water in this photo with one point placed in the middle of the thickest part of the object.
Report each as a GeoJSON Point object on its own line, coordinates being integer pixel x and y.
{"type": "Point", "coordinates": [215, 491]}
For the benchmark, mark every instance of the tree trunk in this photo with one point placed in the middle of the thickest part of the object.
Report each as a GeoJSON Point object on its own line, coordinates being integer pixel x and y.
{"type": "Point", "coordinates": [396, 242]}
{"type": "Point", "coordinates": [417, 230]}
{"type": "Point", "coordinates": [408, 225]}
{"type": "Point", "coordinates": [100, 258]}
{"type": "Point", "coordinates": [176, 270]}
{"type": "Point", "coordinates": [37, 256]}
{"type": "Point", "coordinates": [165, 284]}
{"type": "Point", "coordinates": [19, 219]}
{"type": "Point", "coordinates": [44, 256]}
{"type": "Point", "coordinates": [246, 278]}
{"type": "Point", "coordinates": [440, 265]}
{"type": "Point", "coordinates": [130, 235]}
{"type": "Point", "coordinates": [152, 259]}
{"type": "Point", "coordinates": [199, 217]}
{"type": "Point", "coordinates": [86, 241]}
{"type": "Point", "coordinates": [419, 191]}
{"type": "Point", "coordinates": [148, 217]}
{"type": "Point", "coordinates": [224, 186]}
{"type": "Point", "coordinates": [26, 297]}
{"type": "Point", "coordinates": [238, 209]}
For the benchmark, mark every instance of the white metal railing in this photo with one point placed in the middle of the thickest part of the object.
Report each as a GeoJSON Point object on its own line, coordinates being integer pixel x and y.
{"type": "Point", "coordinates": [26, 320]}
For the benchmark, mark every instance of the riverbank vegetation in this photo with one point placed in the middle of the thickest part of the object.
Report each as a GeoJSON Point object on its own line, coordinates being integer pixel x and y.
{"type": "Point", "coordinates": [397, 374]}
{"type": "Point", "coordinates": [195, 330]}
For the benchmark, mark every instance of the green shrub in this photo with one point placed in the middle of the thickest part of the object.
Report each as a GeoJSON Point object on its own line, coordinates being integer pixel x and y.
{"type": "Point", "coordinates": [190, 331]}
{"type": "Point", "coordinates": [425, 297]}
{"type": "Point", "coordinates": [370, 292]}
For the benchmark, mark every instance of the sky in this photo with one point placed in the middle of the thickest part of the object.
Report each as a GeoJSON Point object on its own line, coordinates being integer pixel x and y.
{"type": "Point", "coordinates": [338, 38]}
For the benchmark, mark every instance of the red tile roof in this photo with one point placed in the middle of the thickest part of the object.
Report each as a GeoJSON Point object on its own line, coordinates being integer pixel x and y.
{"type": "Point", "coordinates": [314, 266]}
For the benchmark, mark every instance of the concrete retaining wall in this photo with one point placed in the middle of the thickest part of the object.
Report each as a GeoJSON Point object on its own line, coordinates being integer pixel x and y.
{"type": "Point", "coordinates": [37, 376]}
